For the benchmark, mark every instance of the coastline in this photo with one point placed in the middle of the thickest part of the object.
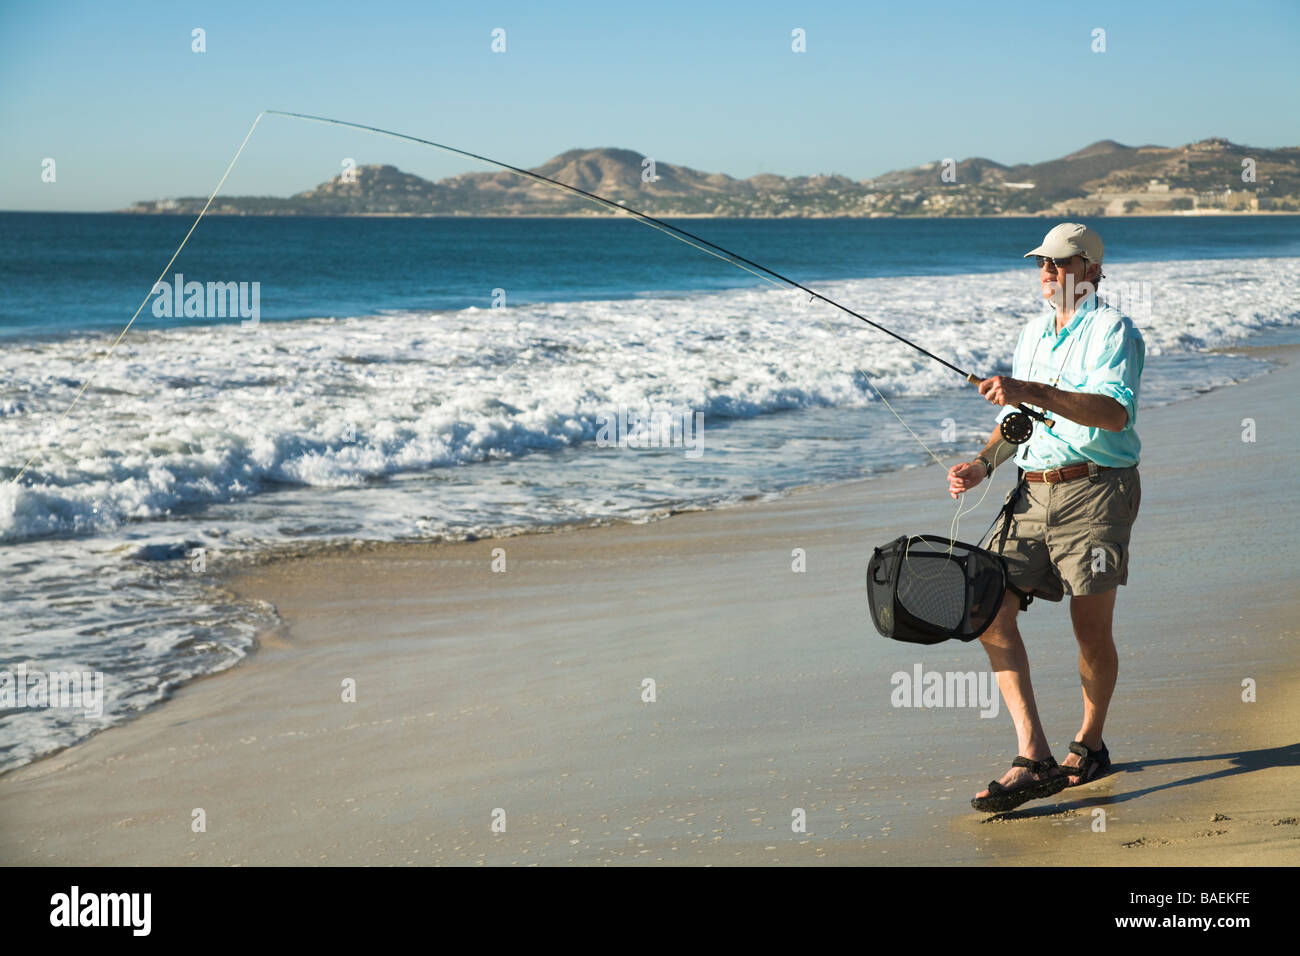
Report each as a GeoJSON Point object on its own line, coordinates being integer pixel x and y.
{"type": "Point", "coordinates": [1150, 214]}
{"type": "Point", "coordinates": [479, 690]}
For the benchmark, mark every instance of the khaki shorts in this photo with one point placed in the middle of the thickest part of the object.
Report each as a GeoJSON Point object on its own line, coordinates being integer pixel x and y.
{"type": "Point", "coordinates": [1072, 537]}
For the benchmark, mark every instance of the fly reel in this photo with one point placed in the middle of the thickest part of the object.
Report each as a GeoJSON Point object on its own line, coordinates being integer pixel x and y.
{"type": "Point", "coordinates": [1017, 427]}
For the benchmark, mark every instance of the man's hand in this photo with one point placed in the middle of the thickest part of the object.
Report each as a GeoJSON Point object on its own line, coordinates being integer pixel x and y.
{"type": "Point", "coordinates": [964, 477]}
{"type": "Point", "coordinates": [1005, 390]}
{"type": "Point", "coordinates": [1083, 408]}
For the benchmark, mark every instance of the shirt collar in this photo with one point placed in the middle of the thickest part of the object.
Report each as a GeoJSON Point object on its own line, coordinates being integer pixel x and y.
{"type": "Point", "coordinates": [1080, 313]}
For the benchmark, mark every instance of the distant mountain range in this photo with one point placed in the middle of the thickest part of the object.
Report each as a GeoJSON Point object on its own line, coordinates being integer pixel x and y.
{"type": "Point", "coordinates": [1106, 178]}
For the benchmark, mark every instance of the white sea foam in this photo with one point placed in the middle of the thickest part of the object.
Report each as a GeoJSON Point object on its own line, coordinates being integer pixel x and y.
{"type": "Point", "coordinates": [199, 415]}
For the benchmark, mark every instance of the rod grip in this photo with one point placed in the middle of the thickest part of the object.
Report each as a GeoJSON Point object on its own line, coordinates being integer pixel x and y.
{"type": "Point", "coordinates": [973, 378]}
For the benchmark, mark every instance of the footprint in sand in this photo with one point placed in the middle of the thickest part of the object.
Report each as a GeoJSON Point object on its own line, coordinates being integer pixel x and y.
{"type": "Point", "coordinates": [1144, 841]}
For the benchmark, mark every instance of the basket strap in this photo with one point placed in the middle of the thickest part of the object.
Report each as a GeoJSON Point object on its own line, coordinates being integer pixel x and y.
{"type": "Point", "coordinates": [1005, 515]}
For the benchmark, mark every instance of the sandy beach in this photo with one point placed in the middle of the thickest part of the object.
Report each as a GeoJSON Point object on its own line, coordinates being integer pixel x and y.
{"type": "Point", "coordinates": [515, 699]}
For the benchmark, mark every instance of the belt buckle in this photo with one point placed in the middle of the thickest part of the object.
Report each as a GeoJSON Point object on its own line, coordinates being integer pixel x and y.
{"type": "Point", "coordinates": [1047, 476]}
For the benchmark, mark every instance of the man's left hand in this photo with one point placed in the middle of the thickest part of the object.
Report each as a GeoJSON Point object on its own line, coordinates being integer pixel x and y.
{"type": "Point", "coordinates": [1005, 390]}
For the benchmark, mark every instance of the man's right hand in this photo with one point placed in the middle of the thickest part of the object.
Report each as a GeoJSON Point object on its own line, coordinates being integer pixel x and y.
{"type": "Point", "coordinates": [964, 477]}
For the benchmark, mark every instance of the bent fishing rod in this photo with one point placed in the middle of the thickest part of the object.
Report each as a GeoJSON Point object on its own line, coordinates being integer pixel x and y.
{"type": "Point", "coordinates": [1015, 428]}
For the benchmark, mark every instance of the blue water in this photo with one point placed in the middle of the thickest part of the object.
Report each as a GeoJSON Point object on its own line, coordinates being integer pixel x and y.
{"type": "Point", "coordinates": [75, 272]}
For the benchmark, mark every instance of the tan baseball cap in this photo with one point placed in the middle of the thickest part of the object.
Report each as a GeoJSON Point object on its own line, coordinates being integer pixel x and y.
{"type": "Point", "coordinates": [1070, 239]}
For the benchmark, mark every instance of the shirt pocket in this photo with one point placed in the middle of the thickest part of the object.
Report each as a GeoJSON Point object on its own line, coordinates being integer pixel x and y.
{"type": "Point", "coordinates": [1069, 431]}
{"type": "Point", "coordinates": [1072, 433]}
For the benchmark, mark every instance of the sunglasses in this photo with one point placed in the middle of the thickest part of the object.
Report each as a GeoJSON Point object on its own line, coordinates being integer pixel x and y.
{"type": "Point", "coordinates": [1056, 263]}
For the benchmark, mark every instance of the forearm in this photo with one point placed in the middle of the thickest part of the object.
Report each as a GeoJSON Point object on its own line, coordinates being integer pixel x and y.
{"type": "Point", "coordinates": [998, 448]}
{"type": "Point", "coordinates": [965, 476]}
{"type": "Point", "coordinates": [1082, 408]}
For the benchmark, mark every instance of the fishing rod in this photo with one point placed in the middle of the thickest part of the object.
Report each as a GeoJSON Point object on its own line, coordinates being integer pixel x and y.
{"type": "Point", "coordinates": [1016, 428]}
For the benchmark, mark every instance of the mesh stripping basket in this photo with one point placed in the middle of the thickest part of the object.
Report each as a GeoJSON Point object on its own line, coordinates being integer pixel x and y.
{"type": "Point", "coordinates": [925, 590]}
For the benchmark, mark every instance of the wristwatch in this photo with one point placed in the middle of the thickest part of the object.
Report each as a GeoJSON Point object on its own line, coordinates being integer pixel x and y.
{"type": "Point", "coordinates": [987, 464]}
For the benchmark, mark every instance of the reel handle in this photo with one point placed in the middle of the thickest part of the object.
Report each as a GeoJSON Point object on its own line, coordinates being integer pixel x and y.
{"type": "Point", "coordinates": [1049, 422]}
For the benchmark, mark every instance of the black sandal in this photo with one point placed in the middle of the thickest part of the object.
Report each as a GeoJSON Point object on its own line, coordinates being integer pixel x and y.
{"type": "Point", "coordinates": [1094, 765]}
{"type": "Point", "coordinates": [1002, 798]}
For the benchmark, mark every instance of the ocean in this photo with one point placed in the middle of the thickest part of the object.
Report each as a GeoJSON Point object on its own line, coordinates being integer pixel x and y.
{"type": "Point", "coordinates": [412, 379]}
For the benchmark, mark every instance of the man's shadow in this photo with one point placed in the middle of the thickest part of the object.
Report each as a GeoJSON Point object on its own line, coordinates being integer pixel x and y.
{"type": "Point", "coordinates": [1246, 762]}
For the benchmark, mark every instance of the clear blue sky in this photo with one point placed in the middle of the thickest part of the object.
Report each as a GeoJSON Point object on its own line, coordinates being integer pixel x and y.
{"type": "Point", "coordinates": [114, 94]}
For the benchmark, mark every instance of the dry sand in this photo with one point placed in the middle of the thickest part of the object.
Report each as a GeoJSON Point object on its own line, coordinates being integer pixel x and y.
{"type": "Point", "coordinates": [520, 691]}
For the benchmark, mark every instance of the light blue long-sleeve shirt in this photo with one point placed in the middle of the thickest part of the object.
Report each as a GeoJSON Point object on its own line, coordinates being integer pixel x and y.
{"type": "Point", "coordinates": [1099, 352]}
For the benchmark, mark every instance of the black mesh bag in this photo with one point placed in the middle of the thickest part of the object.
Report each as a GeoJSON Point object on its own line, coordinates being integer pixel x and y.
{"type": "Point", "coordinates": [926, 589]}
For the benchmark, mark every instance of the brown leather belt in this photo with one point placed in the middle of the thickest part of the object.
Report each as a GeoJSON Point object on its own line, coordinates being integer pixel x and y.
{"type": "Point", "coordinates": [1068, 473]}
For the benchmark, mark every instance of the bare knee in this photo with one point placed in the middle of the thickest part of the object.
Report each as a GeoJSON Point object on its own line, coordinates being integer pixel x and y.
{"type": "Point", "coordinates": [1092, 616]}
{"type": "Point", "coordinates": [1003, 634]}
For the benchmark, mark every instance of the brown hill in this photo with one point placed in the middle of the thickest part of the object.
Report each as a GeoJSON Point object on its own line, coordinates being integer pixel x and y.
{"type": "Point", "coordinates": [1092, 176]}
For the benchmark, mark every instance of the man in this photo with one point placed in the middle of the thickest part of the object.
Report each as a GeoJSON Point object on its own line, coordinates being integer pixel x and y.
{"type": "Point", "coordinates": [1067, 532]}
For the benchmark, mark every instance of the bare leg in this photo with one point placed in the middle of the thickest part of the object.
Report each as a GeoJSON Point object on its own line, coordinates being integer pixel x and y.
{"type": "Point", "coordinates": [1010, 662]}
{"type": "Point", "coordinates": [1092, 615]}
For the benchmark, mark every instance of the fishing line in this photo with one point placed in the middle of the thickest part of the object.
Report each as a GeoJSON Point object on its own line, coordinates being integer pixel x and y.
{"type": "Point", "coordinates": [162, 275]}
{"type": "Point", "coordinates": [691, 239]}
{"type": "Point", "coordinates": [960, 513]}
{"type": "Point", "coordinates": [676, 232]}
